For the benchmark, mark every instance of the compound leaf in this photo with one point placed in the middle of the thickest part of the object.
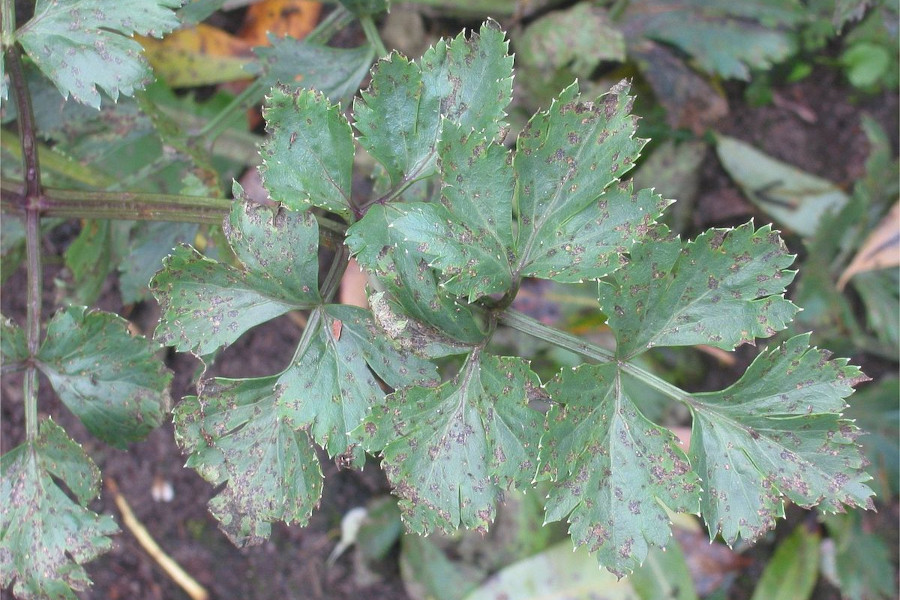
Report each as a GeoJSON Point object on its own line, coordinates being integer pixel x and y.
{"type": "Point", "coordinates": [565, 160]}
{"type": "Point", "coordinates": [451, 451]}
{"type": "Point", "coordinates": [724, 288]}
{"type": "Point", "coordinates": [465, 82]}
{"type": "Point", "coordinates": [235, 433]}
{"type": "Point", "coordinates": [109, 378]}
{"type": "Point", "coordinates": [329, 388]}
{"type": "Point", "coordinates": [84, 44]}
{"type": "Point", "coordinates": [308, 155]}
{"type": "Point", "coordinates": [45, 537]}
{"type": "Point", "coordinates": [612, 468]}
{"type": "Point", "coordinates": [206, 304]}
{"type": "Point", "coordinates": [336, 72]}
{"type": "Point", "coordinates": [777, 433]}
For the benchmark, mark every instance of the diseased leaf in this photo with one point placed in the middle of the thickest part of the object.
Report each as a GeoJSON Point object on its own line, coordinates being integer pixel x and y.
{"type": "Point", "coordinates": [401, 115]}
{"type": "Point", "coordinates": [86, 44]}
{"type": "Point", "coordinates": [469, 235]}
{"type": "Point", "coordinates": [451, 451]}
{"type": "Point", "coordinates": [308, 156]}
{"type": "Point", "coordinates": [207, 304]}
{"type": "Point", "coordinates": [612, 468]}
{"type": "Point", "coordinates": [109, 378]}
{"type": "Point", "coordinates": [329, 387]}
{"type": "Point", "coordinates": [724, 288]}
{"type": "Point", "coordinates": [566, 161]}
{"type": "Point", "coordinates": [777, 433]}
{"type": "Point", "coordinates": [796, 199]}
{"type": "Point", "coordinates": [235, 433]}
{"type": "Point", "coordinates": [397, 263]}
{"type": "Point", "coordinates": [336, 72]}
{"type": "Point", "coordinates": [45, 537]}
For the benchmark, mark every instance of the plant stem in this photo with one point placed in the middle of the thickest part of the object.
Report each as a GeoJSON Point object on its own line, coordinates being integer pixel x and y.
{"type": "Point", "coordinates": [535, 328]}
{"type": "Point", "coordinates": [32, 200]}
{"type": "Point", "coordinates": [372, 35]}
{"type": "Point", "coordinates": [333, 279]}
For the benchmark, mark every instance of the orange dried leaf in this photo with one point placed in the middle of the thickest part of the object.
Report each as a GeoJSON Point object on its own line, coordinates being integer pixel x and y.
{"type": "Point", "coordinates": [295, 18]}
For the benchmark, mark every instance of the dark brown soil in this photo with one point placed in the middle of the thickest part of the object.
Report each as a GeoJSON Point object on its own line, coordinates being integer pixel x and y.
{"type": "Point", "coordinates": [292, 563]}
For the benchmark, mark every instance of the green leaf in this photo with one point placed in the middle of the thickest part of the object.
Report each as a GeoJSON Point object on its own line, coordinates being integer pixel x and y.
{"type": "Point", "coordinates": [555, 574]}
{"type": "Point", "coordinates": [571, 226]}
{"type": "Point", "coordinates": [207, 304]}
{"type": "Point", "coordinates": [410, 335]}
{"type": "Point", "coordinates": [89, 258]}
{"type": "Point", "coordinates": [396, 261]}
{"type": "Point", "coordinates": [465, 82]}
{"type": "Point", "coordinates": [613, 469]}
{"type": "Point", "coordinates": [13, 347]}
{"type": "Point", "coordinates": [451, 451]}
{"type": "Point", "coordinates": [794, 198]}
{"type": "Point", "coordinates": [45, 537]}
{"type": "Point", "coordinates": [329, 387]}
{"type": "Point", "coordinates": [859, 563]}
{"type": "Point", "coordinates": [308, 156]}
{"type": "Point", "coordinates": [336, 72]}
{"type": "Point", "coordinates": [724, 288]}
{"type": "Point", "coordinates": [429, 575]}
{"type": "Point", "coordinates": [793, 570]}
{"type": "Point", "coordinates": [469, 235]}
{"type": "Point", "coordinates": [723, 38]}
{"type": "Point", "coordinates": [665, 575]}
{"type": "Point", "coordinates": [576, 40]}
{"type": "Point", "coordinates": [110, 379]}
{"type": "Point", "coordinates": [235, 433]}
{"type": "Point", "coordinates": [149, 246]}
{"type": "Point", "coordinates": [362, 8]}
{"type": "Point", "coordinates": [83, 44]}
{"type": "Point", "coordinates": [777, 433]}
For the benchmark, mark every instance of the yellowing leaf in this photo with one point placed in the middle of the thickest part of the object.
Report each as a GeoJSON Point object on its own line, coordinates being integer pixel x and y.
{"type": "Point", "coordinates": [880, 250]}
{"type": "Point", "coordinates": [201, 55]}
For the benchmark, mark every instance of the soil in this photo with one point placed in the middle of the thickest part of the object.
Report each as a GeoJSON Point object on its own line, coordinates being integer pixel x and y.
{"type": "Point", "coordinates": [292, 563]}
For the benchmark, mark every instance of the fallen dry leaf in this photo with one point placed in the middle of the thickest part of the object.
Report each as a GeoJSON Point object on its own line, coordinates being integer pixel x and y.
{"type": "Point", "coordinates": [880, 250]}
{"type": "Point", "coordinates": [295, 18]}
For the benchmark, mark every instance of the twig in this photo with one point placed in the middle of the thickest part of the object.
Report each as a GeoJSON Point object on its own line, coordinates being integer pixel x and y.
{"type": "Point", "coordinates": [172, 568]}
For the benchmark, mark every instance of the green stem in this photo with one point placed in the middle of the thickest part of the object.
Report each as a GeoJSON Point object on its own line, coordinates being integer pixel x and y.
{"type": "Point", "coordinates": [31, 203]}
{"type": "Point", "coordinates": [371, 31]}
{"type": "Point", "coordinates": [335, 273]}
{"type": "Point", "coordinates": [535, 328]}
{"type": "Point", "coordinates": [94, 204]}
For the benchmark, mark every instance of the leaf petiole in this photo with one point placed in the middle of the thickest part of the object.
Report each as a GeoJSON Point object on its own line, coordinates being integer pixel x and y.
{"type": "Point", "coordinates": [533, 327]}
